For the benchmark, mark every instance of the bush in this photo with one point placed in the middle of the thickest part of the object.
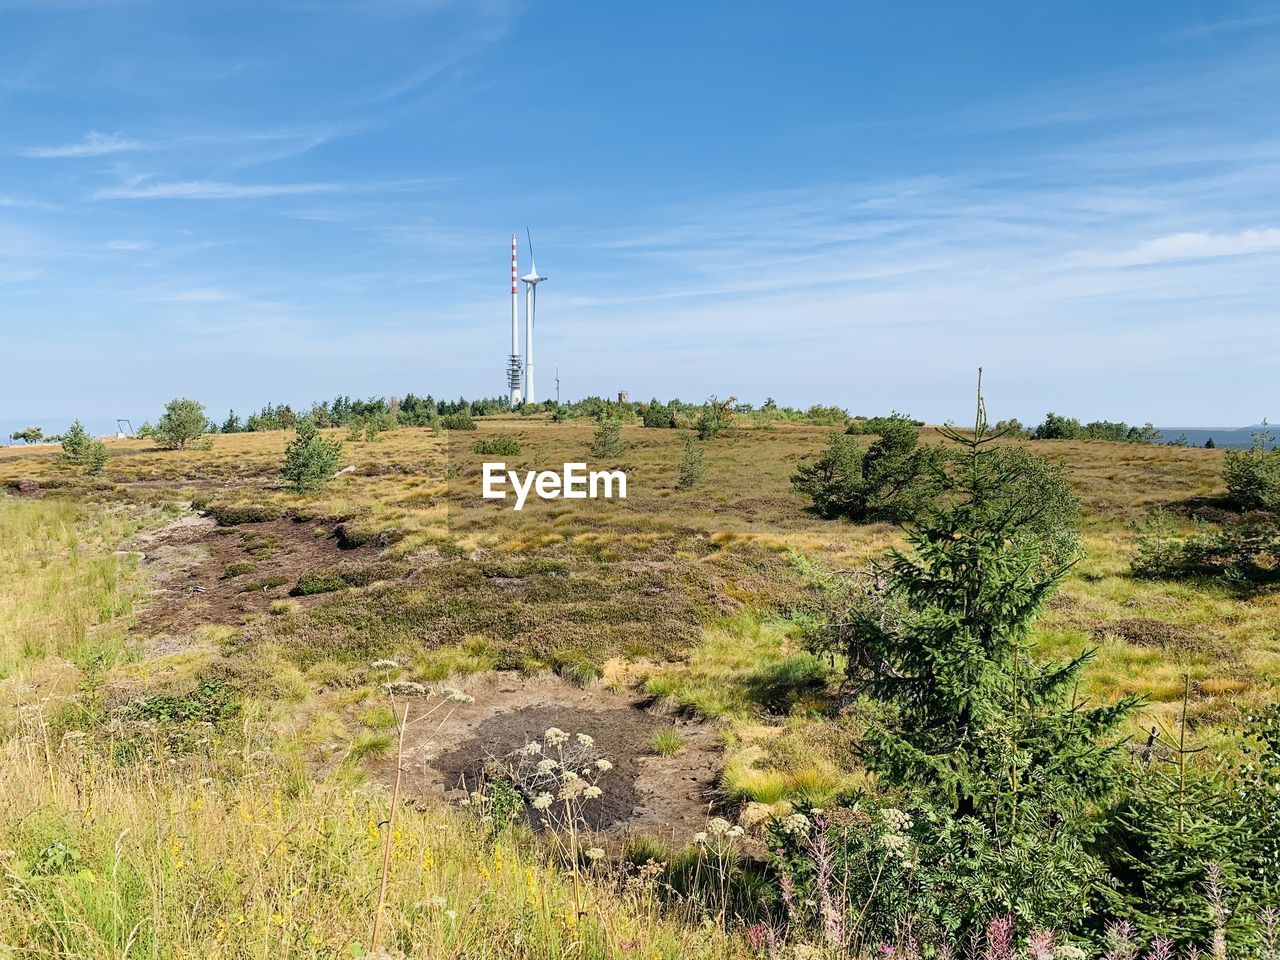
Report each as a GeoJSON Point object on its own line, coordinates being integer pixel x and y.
{"type": "Point", "coordinates": [692, 465]}
{"type": "Point", "coordinates": [182, 422]}
{"type": "Point", "coordinates": [500, 445]}
{"type": "Point", "coordinates": [233, 514]}
{"type": "Point", "coordinates": [607, 441]}
{"type": "Point", "coordinates": [1253, 475]}
{"type": "Point", "coordinates": [319, 581]}
{"type": "Point", "coordinates": [893, 480]}
{"type": "Point", "coordinates": [716, 418]}
{"type": "Point", "coordinates": [310, 460]}
{"type": "Point", "coordinates": [82, 450]}
{"type": "Point", "coordinates": [460, 420]}
{"type": "Point", "coordinates": [369, 425]}
{"type": "Point", "coordinates": [1240, 554]}
{"type": "Point", "coordinates": [657, 415]}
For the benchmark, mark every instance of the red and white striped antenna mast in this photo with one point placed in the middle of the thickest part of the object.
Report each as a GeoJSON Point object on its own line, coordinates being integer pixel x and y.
{"type": "Point", "coordinates": [515, 372]}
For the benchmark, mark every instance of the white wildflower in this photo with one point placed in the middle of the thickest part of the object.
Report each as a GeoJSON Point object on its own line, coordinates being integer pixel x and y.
{"type": "Point", "coordinates": [542, 801]}
{"type": "Point", "coordinates": [797, 823]}
{"type": "Point", "coordinates": [718, 826]}
{"type": "Point", "coordinates": [585, 741]}
{"type": "Point", "coordinates": [603, 765]}
{"type": "Point", "coordinates": [384, 665]}
{"type": "Point", "coordinates": [895, 820]}
{"type": "Point", "coordinates": [533, 748]}
{"type": "Point", "coordinates": [454, 695]}
{"type": "Point", "coordinates": [451, 914]}
{"type": "Point", "coordinates": [735, 832]}
{"type": "Point", "coordinates": [700, 837]}
{"type": "Point", "coordinates": [896, 844]}
{"type": "Point", "coordinates": [593, 853]}
{"type": "Point", "coordinates": [592, 793]}
{"type": "Point", "coordinates": [438, 901]}
{"type": "Point", "coordinates": [546, 765]}
{"type": "Point", "coordinates": [555, 737]}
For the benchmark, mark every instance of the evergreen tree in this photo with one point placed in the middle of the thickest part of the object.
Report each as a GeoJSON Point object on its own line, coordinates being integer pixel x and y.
{"type": "Point", "coordinates": [893, 480]}
{"type": "Point", "coordinates": [310, 460]}
{"type": "Point", "coordinates": [1001, 760]}
{"type": "Point", "coordinates": [1177, 829]}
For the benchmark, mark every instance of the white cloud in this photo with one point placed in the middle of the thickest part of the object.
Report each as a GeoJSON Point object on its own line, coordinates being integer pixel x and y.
{"type": "Point", "coordinates": [135, 246]}
{"type": "Point", "coordinates": [94, 144]}
{"type": "Point", "coordinates": [1201, 245]}
{"type": "Point", "coordinates": [210, 190]}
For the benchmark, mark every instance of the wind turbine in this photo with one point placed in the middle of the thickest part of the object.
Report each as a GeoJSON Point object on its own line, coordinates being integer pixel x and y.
{"type": "Point", "coordinates": [531, 279]}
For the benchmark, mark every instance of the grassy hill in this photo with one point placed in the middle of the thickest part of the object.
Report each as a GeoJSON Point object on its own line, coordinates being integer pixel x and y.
{"type": "Point", "coordinates": [190, 692]}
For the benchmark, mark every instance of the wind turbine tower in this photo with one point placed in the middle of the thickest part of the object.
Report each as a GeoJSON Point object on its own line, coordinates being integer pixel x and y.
{"type": "Point", "coordinates": [531, 280]}
{"type": "Point", "coordinates": [513, 359]}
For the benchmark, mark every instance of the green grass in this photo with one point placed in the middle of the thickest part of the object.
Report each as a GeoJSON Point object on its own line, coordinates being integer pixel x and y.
{"type": "Point", "coordinates": [745, 665]}
{"type": "Point", "coordinates": [667, 743]}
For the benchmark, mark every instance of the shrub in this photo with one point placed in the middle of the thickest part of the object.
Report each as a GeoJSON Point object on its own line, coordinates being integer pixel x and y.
{"type": "Point", "coordinates": [182, 421]}
{"type": "Point", "coordinates": [310, 460]}
{"type": "Point", "coordinates": [1240, 554]}
{"type": "Point", "coordinates": [233, 514]}
{"type": "Point", "coordinates": [1059, 428]}
{"type": "Point", "coordinates": [892, 480]}
{"type": "Point", "coordinates": [657, 415]}
{"type": "Point", "coordinates": [82, 450]}
{"type": "Point", "coordinates": [500, 445]}
{"type": "Point", "coordinates": [716, 418]}
{"type": "Point", "coordinates": [28, 435]}
{"type": "Point", "coordinates": [692, 465]}
{"type": "Point", "coordinates": [370, 424]}
{"type": "Point", "coordinates": [1253, 475]}
{"type": "Point", "coordinates": [239, 569]}
{"type": "Point", "coordinates": [607, 442]}
{"type": "Point", "coordinates": [999, 766]}
{"type": "Point", "coordinates": [319, 581]}
{"type": "Point", "coordinates": [460, 420]}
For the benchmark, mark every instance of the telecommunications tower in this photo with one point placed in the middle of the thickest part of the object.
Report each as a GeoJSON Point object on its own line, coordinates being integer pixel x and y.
{"type": "Point", "coordinates": [514, 367]}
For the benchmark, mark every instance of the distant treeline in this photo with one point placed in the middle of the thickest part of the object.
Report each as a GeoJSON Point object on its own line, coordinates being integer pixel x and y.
{"type": "Point", "coordinates": [414, 411]}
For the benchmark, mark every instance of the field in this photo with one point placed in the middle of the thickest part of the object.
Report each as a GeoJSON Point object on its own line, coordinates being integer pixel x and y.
{"type": "Point", "coordinates": [195, 669]}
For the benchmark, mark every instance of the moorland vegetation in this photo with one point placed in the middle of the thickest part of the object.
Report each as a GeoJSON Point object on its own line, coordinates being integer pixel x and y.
{"type": "Point", "coordinates": [971, 692]}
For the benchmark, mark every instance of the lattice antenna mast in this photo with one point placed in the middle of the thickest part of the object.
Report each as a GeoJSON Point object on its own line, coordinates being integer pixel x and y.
{"type": "Point", "coordinates": [514, 370]}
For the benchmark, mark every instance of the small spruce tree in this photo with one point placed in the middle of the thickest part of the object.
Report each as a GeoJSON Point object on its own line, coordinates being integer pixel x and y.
{"type": "Point", "coordinates": [607, 442]}
{"type": "Point", "coordinates": [1002, 761]}
{"type": "Point", "coordinates": [693, 465]}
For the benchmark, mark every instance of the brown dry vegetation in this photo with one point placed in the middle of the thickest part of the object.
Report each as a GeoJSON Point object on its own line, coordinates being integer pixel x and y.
{"type": "Point", "coordinates": [249, 643]}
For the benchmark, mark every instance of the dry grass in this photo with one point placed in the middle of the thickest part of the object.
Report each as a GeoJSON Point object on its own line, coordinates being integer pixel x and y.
{"type": "Point", "coordinates": [698, 576]}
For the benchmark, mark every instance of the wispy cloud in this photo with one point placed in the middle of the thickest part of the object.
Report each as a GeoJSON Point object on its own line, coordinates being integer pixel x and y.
{"type": "Point", "coordinates": [94, 144]}
{"type": "Point", "coordinates": [1261, 21]}
{"type": "Point", "coordinates": [133, 246]}
{"type": "Point", "coordinates": [1199, 245]}
{"type": "Point", "coordinates": [211, 190]}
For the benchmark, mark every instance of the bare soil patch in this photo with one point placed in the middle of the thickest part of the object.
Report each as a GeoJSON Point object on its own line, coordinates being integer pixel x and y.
{"type": "Point", "coordinates": [664, 797]}
{"type": "Point", "coordinates": [209, 574]}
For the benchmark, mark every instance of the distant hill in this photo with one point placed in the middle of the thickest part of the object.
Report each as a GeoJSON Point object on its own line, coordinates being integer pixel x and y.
{"type": "Point", "coordinates": [1237, 437]}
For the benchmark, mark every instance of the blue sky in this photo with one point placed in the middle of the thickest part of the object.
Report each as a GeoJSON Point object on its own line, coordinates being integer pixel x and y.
{"type": "Point", "coordinates": [849, 203]}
